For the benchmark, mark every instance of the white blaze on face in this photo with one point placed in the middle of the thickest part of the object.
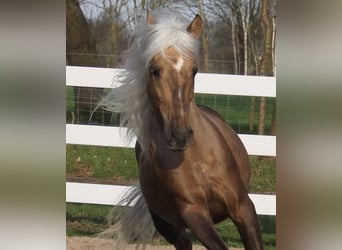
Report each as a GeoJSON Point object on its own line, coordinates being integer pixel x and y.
{"type": "Point", "coordinates": [178, 66]}
{"type": "Point", "coordinates": [181, 111]}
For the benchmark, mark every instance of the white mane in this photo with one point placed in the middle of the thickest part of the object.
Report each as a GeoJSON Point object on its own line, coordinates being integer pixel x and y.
{"type": "Point", "coordinates": [130, 98]}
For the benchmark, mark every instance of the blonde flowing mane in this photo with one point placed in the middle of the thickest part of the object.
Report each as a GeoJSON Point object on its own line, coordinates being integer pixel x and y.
{"type": "Point", "coordinates": [131, 98]}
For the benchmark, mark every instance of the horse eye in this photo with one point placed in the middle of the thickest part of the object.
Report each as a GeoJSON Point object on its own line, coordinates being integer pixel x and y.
{"type": "Point", "coordinates": [155, 72]}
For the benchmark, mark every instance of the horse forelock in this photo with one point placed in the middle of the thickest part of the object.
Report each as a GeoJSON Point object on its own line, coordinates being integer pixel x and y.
{"type": "Point", "coordinates": [130, 98]}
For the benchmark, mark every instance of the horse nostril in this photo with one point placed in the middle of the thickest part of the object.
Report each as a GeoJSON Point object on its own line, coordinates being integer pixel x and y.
{"type": "Point", "coordinates": [172, 138]}
{"type": "Point", "coordinates": [190, 133]}
{"type": "Point", "coordinates": [179, 139]}
{"type": "Point", "coordinates": [173, 142]}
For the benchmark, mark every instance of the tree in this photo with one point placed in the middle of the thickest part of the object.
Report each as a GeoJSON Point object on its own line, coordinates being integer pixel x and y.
{"type": "Point", "coordinates": [109, 28]}
{"type": "Point", "coordinates": [196, 7]}
{"type": "Point", "coordinates": [266, 62]}
{"type": "Point", "coordinates": [204, 37]}
{"type": "Point", "coordinates": [243, 19]}
{"type": "Point", "coordinates": [227, 12]}
{"type": "Point", "coordinates": [78, 45]}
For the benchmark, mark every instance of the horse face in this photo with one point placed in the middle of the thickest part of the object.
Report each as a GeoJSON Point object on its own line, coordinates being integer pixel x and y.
{"type": "Point", "coordinates": [171, 90]}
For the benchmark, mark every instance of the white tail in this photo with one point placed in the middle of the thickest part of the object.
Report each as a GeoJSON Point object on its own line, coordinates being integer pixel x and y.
{"type": "Point", "coordinates": [133, 224]}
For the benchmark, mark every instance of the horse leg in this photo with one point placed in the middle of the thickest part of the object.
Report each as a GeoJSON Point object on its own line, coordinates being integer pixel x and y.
{"type": "Point", "coordinates": [246, 221]}
{"type": "Point", "coordinates": [201, 225]}
{"type": "Point", "coordinates": [174, 235]}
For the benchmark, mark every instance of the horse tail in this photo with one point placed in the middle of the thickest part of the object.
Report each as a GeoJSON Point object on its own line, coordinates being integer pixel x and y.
{"type": "Point", "coordinates": [130, 221]}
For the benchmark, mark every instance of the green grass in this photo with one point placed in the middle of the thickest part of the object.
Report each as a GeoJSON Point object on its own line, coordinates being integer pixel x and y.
{"type": "Point", "coordinates": [85, 219]}
{"type": "Point", "coordinates": [236, 110]}
{"type": "Point", "coordinates": [70, 97]}
{"type": "Point", "coordinates": [101, 162]}
{"type": "Point", "coordinates": [263, 179]}
{"type": "Point", "coordinates": [88, 220]}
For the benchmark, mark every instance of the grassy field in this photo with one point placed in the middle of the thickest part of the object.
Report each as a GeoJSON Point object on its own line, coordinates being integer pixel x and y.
{"type": "Point", "coordinates": [118, 166]}
{"type": "Point", "coordinates": [87, 220]}
{"type": "Point", "coordinates": [236, 110]}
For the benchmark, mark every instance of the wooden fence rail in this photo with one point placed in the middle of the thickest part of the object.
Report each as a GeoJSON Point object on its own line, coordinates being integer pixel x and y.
{"type": "Point", "coordinates": [110, 136]}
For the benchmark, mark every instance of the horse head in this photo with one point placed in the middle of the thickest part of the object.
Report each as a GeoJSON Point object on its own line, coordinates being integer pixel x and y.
{"type": "Point", "coordinates": [170, 86]}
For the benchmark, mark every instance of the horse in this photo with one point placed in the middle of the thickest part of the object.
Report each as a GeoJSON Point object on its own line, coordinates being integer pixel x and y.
{"type": "Point", "coordinates": [194, 170]}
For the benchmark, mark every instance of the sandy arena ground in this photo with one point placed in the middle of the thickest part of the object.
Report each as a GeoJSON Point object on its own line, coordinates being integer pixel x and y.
{"type": "Point", "coordinates": [88, 243]}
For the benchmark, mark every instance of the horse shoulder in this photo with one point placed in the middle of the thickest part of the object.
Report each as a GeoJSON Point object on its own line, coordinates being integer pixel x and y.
{"type": "Point", "coordinates": [234, 144]}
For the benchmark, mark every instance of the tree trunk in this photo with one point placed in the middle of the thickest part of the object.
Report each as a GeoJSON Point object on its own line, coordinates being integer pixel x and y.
{"type": "Point", "coordinates": [204, 39]}
{"type": "Point", "coordinates": [251, 114]}
{"type": "Point", "coordinates": [273, 45]}
{"type": "Point", "coordinates": [266, 62]}
{"type": "Point", "coordinates": [274, 114]}
{"type": "Point", "coordinates": [246, 31]}
{"type": "Point", "coordinates": [262, 113]}
{"type": "Point", "coordinates": [245, 26]}
{"type": "Point", "coordinates": [245, 48]}
{"type": "Point", "coordinates": [234, 47]}
{"type": "Point", "coordinates": [274, 121]}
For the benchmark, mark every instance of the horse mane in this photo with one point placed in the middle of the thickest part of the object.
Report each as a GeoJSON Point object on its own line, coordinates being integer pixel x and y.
{"type": "Point", "coordinates": [130, 98]}
{"type": "Point", "coordinates": [211, 111]}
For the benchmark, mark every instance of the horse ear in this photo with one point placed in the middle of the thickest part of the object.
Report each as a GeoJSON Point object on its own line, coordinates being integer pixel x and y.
{"type": "Point", "coordinates": [195, 27]}
{"type": "Point", "coordinates": [150, 19]}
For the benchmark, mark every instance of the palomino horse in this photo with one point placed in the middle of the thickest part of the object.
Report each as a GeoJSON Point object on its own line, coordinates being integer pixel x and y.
{"type": "Point", "coordinates": [193, 169]}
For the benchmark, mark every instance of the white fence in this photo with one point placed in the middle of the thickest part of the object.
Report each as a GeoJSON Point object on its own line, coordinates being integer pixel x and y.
{"type": "Point", "coordinates": [110, 136]}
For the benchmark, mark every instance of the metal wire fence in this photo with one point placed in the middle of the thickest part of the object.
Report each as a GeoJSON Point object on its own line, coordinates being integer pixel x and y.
{"type": "Point", "coordinates": [236, 110]}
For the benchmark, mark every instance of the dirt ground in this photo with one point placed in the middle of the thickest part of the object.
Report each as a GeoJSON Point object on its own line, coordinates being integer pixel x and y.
{"type": "Point", "coordinates": [89, 243]}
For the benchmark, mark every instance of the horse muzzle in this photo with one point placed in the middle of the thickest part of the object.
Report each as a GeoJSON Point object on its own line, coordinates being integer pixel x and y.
{"type": "Point", "coordinates": [179, 140]}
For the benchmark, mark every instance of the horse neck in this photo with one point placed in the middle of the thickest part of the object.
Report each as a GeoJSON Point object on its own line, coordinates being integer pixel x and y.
{"type": "Point", "coordinates": [195, 116]}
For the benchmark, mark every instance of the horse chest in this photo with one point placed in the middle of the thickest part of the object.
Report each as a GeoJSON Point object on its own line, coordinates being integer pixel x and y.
{"type": "Point", "coordinates": [158, 196]}
{"type": "Point", "coordinates": [168, 176]}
